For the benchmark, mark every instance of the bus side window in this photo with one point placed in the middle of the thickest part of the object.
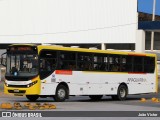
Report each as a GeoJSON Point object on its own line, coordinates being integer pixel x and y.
{"type": "Point", "coordinates": [103, 67]}
{"type": "Point", "coordinates": [114, 63]}
{"type": "Point", "coordinates": [138, 64]}
{"type": "Point", "coordinates": [123, 64]}
{"type": "Point", "coordinates": [149, 64]}
{"type": "Point", "coordinates": [126, 64]}
{"type": "Point", "coordinates": [85, 61]}
{"type": "Point", "coordinates": [48, 61]}
{"type": "Point", "coordinates": [67, 60]}
{"type": "Point", "coordinates": [100, 62]}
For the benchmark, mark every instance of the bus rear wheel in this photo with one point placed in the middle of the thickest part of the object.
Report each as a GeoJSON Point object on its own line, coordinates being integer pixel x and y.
{"type": "Point", "coordinates": [61, 93]}
{"type": "Point", "coordinates": [32, 97]}
{"type": "Point", "coordinates": [121, 93]}
{"type": "Point", "coordinates": [95, 97]}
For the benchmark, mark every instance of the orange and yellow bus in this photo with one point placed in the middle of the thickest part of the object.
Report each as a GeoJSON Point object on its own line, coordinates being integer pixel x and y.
{"type": "Point", "coordinates": [59, 72]}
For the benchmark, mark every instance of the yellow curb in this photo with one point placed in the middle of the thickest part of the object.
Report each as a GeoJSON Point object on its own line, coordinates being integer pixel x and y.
{"type": "Point", "coordinates": [16, 104]}
{"type": "Point", "coordinates": [18, 108]}
{"type": "Point", "coordinates": [153, 99]}
{"type": "Point", "coordinates": [156, 100]}
{"type": "Point", "coordinates": [31, 107]}
{"type": "Point", "coordinates": [6, 106]}
{"type": "Point", "coordinates": [42, 107]}
{"type": "Point", "coordinates": [52, 107]}
{"type": "Point", "coordinates": [26, 104]}
{"type": "Point", "coordinates": [143, 100]}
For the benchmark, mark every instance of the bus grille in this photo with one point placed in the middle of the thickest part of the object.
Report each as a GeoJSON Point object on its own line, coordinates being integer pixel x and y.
{"type": "Point", "coordinates": [20, 91]}
{"type": "Point", "coordinates": [18, 86]}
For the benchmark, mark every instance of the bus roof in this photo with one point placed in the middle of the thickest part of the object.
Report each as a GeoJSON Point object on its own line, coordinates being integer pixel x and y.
{"type": "Point", "coordinates": [52, 47]}
{"type": "Point", "coordinates": [56, 47]}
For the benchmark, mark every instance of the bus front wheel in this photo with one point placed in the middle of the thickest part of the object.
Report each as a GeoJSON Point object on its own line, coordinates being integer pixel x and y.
{"type": "Point", "coordinates": [95, 97]}
{"type": "Point", "coordinates": [61, 93]}
{"type": "Point", "coordinates": [32, 97]}
{"type": "Point", "coordinates": [121, 93]}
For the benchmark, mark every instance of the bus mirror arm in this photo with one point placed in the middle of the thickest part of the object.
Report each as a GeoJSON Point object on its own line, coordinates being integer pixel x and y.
{"type": "Point", "coordinates": [3, 62]}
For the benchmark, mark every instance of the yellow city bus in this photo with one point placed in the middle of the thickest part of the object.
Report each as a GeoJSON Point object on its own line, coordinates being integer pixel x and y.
{"type": "Point", "coordinates": [59, 72]}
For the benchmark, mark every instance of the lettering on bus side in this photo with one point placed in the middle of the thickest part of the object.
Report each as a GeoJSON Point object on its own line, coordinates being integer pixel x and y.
{"type": "Point", "coordinates": [136, 80]}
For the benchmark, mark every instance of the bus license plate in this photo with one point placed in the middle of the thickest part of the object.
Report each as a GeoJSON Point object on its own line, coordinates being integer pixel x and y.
{"type": "Point", "coordinates": [16, 90]}
{"type": "Point", "coordinates": [18, 94]}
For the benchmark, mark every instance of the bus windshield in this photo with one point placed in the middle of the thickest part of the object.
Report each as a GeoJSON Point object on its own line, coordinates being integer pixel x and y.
{"type": "Point", "coordinates": [22, 65]}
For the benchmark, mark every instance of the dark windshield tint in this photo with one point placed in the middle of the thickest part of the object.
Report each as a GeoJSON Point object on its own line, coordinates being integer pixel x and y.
{"type": "Point", "coordinates": [22, 65]}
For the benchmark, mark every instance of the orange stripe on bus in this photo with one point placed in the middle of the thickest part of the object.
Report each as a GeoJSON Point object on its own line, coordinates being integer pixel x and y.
{"type": "Point", "coordinates": [64, 72]}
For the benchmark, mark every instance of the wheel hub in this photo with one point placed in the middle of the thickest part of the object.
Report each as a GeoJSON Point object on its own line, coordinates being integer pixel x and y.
{"type": "Point", "coordinates": [122, 92]}
{"type": "Point", "coordinates": [61, 93]}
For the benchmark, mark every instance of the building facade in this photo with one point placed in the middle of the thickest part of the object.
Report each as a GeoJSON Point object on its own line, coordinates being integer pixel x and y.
{"type": "Point", "coordinates": [61, 21]}
{"type": "Point", "coordinates": [105, 24]}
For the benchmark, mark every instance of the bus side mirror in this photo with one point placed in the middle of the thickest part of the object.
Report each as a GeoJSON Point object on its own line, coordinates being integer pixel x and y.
{"type": "Point", "coordinates": [3, 59]}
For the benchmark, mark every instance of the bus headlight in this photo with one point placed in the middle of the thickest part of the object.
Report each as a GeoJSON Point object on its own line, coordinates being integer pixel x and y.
{"type": "Point", "coordinates": [33, 83]}
{"type": "Point", "coordinates": [5, 83]}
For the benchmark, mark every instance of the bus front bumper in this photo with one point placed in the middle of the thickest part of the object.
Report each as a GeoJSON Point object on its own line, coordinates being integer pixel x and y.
{"type": "Point", "coordinates": [33, 90]}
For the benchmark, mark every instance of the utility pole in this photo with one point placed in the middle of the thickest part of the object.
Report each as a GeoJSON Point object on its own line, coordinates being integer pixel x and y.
{"type": "Point", "coordinates": [153, 19]}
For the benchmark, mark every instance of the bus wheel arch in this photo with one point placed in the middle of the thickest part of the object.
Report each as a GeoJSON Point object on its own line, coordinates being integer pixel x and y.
{"type": "Point", "coordinates": [122, 92]}
{"type": "Point", "coordinates": [62, 92]}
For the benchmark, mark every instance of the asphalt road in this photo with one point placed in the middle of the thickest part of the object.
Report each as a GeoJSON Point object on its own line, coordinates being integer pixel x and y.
{"type": "Point", "coordinates": [83, 103]}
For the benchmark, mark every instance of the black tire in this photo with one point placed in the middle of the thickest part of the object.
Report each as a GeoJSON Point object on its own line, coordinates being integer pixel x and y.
{"type": "Point", "coordinates": [32, 98]}
{"type": "Point", "coordinates": [122, 96]}
{"type": "Point", "coordinates": [95, 97]}
{"type": "Point", "coordinates": [61, 93]}
{"type": "Point", "coordinates": [121, 93]}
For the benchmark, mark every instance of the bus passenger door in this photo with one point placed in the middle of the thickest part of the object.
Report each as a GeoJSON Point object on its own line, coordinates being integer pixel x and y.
{"type": "Point", "coordinates": [48, 63]}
